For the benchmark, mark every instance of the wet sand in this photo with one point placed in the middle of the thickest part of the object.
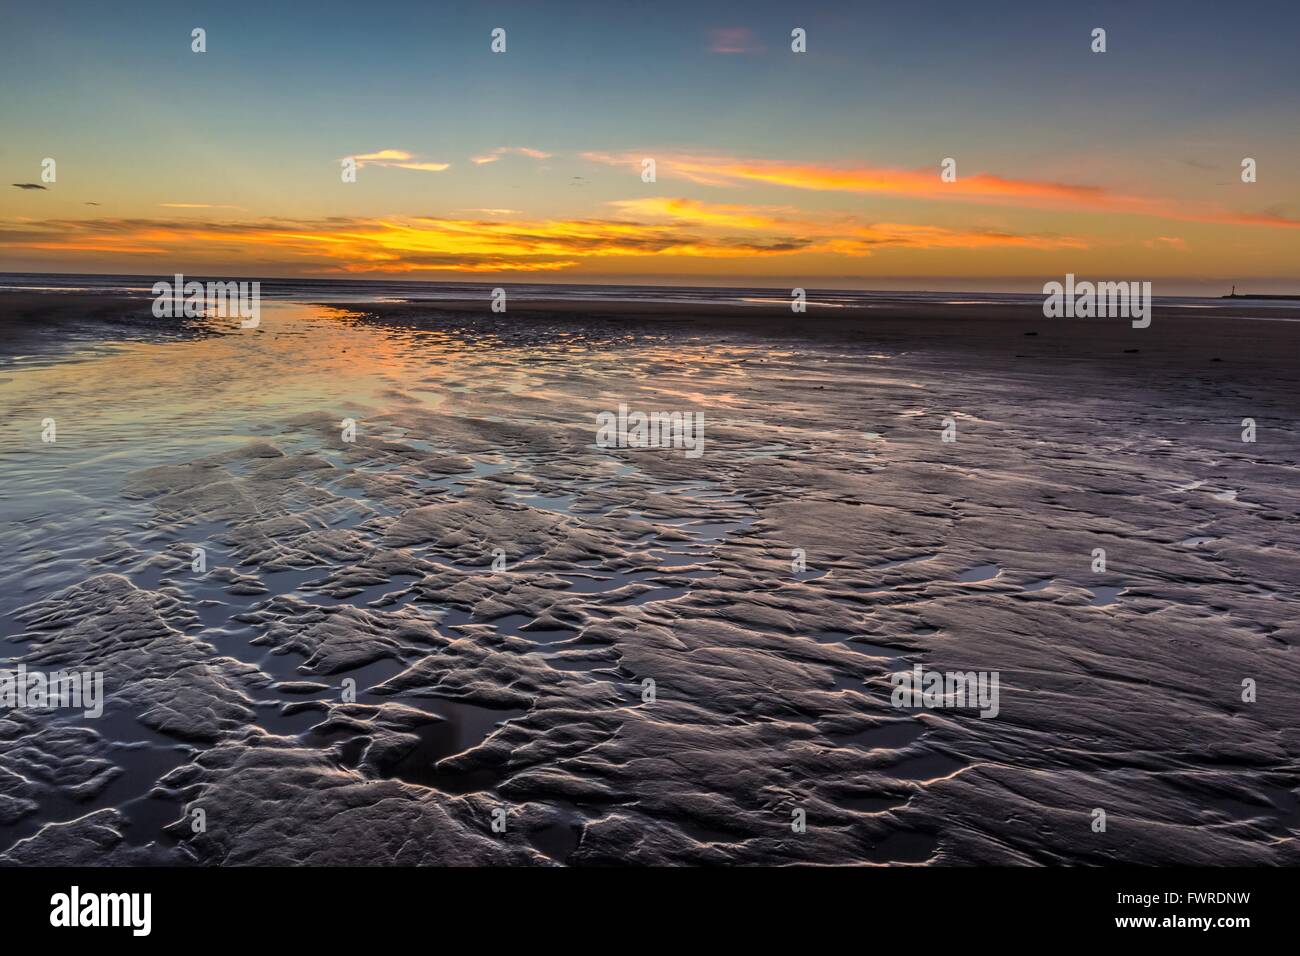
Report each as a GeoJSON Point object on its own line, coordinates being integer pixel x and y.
{"type": "Point", "coordinates": [369, 563]}
{"type": "Point", "coordinates": [1180, 335]}
{"type": "Point", "coordinates": [35, 325]}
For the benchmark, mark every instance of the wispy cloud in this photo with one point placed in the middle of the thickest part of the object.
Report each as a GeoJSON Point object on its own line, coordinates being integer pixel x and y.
{"type": "Point", "coordinates": [28, 186]}
{"type": "Point", "coordinates": [735, 40]}
{"type": "Point", "coordinates": [398, 159]}
{"type": "Point", "coordinates": [728, 171]}
{"type": "Point", "coordinates": [494, 155]}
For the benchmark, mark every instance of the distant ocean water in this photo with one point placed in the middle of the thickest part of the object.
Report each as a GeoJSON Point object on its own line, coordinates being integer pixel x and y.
{"type": "Point", "coordinates": [395, 290]}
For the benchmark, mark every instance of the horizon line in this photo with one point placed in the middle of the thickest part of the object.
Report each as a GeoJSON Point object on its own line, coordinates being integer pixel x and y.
{"type": "Point", "coordinates": [380, 279]}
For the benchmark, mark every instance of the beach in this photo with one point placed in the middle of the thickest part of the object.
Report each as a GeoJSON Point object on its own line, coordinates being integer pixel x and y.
{"type": "Point", "coordinates": [365, 589]}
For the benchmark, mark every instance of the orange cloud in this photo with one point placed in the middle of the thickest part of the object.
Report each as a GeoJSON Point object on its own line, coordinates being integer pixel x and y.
{"type": "Point", "coordinates": [652, 228]}
{"type": "Point", "coordinates": [692, 210]}
{"type": "Point", "coordinates": [926, 184]}
{"type": "Point", "coordinates": [840, 235]}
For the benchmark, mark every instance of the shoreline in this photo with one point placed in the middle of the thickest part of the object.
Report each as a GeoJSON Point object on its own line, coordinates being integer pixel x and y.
{"type": "Point", "coordinates": [1178, 337]}
{"type": "Point", "coordinates": [1182, 338]}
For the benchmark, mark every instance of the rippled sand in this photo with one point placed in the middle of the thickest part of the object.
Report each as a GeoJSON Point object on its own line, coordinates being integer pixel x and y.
{"type": "Point", "coordinates": [333, 564]}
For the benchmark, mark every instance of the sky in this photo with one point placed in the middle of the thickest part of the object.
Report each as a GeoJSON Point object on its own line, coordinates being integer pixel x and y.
{"type": "Point", "coordinates": [816, 169]}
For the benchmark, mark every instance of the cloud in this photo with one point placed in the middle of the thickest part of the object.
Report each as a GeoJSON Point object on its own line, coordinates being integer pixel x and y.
{"type": "Point", "coordinates": [728, 171]}
{"type": "Point", "coordinates": [494, 155]}
{"type": "Point", "coordinates": [382, 156]}
{"type": "Point", "coordinates": [28, 186]}
{"type": "Point", "coordinates": [638, 229]}
{"type": "Point", "coordinates": [397, 159]}
{"type": "Point", "coordinates": [694, 211]}
{"type": "Point", "coordinates": [840, 235]}
{"type": "Point", "coordinates": [735, 40]}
